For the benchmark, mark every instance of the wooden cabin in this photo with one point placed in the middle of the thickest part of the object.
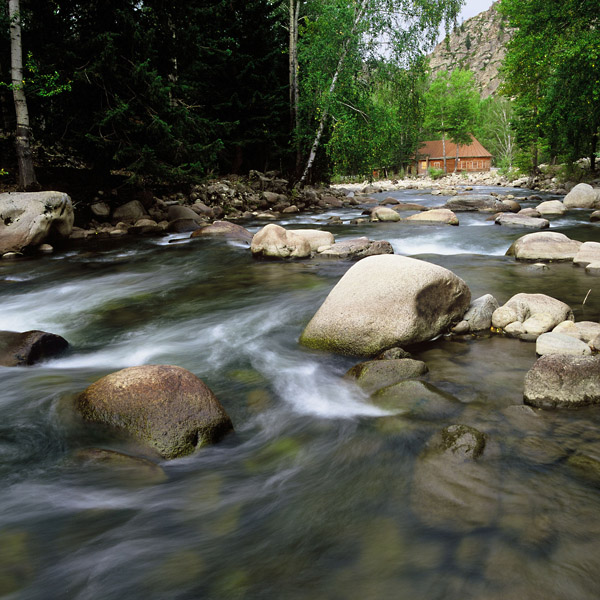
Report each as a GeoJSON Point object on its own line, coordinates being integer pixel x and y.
{"type": "Point", "coordinates": [471, 157]}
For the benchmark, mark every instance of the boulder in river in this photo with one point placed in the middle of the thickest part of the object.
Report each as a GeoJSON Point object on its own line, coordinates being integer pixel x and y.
{"type": "Point", "coordinates": [373, 375]}
{"type": "Point", "coordinates": [356, 249]}
{"type": "Point", "coordinates": [582, 330]}
{"type": "Point", "coordinates": [560, 343]}
{"type": "Point", "coordinates": [31, 218]}
{"type": "Point", "coordinates": [164, 406]}
{"type": "Point", "coordinates": [480, 203]}
{"type": "Point", "coordinates": [544, 245]}
{"type": "Point", "coordinates": [551, 207]}
{"type": "Point", "coordinates": [558, 380]}
{"type": "Point", "coordinates": [589, 252]}
{"type": "Point", "coordinates": [452, 488]}
{"type": "Point", "coordinates": [479, 315]}
{"type": "Point", "coordinates": [385, 301]}
{"type": "Point", "coordinates": [517, 220]}
{"type": "Point", "coordinates": [30, 347]}
{"type": "Point", "coordinates": [530, 315]}
{"type": "Point", "coordinates": [225, 229]}
{"type": "Point", "coordinates": [315, 237]}
{"type": "Point", "coordinates": [383, 213]}
{"type": "Point", "coordinates": [435, 216]}
{"type": "Point", "coordinates": [583, 195]}
{"type": "Point", "coordinates": [273, 241]}
{"type": "Point", "coordinates": [131, 212]}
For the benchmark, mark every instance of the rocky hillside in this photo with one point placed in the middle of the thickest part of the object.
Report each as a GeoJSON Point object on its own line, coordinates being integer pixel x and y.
{"type": "Point", "coordinates": [479, 45]}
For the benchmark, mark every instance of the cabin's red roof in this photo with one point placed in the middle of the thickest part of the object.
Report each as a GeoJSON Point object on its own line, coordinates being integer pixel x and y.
{"type": "Point", "coordinates": [434, 150]}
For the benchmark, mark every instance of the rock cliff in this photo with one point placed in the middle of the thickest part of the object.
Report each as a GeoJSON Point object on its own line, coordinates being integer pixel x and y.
{"type": "Point", "coordinates": [477, 44]}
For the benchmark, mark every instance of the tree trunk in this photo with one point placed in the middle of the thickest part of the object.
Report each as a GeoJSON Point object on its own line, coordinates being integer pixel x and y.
{"type": "Point", "coordinates": [27, 179]}
{"type": "Point", "coordinates": [444, 150]}
{"type": "Point", "coordinates": [456, 161]}
{"type": "Point", "coordinates": [293, 75]}
{"type": "Point", "coordinates": [315, 146]}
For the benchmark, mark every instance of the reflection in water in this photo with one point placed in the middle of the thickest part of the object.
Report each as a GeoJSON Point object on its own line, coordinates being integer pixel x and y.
{"type": "Point", "coordinates": [321, 492]}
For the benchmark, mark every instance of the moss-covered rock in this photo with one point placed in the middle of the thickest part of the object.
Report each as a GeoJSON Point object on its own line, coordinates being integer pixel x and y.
{"type": "Point", "coordinates": [163, 406]}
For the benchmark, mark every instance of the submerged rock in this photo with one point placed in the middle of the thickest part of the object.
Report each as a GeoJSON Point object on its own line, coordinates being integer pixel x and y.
{"type": "Point", "coordinates": [385, 301]}
{"type": "Point", "coordinates": [558, 380]}
{"type": "Point", "coordinates": [163, 406]}
{"type": "Point", "coordinates": [31, 218]}
{"type": "Point", "coordinates": [531, 314]}
{"type": "Point", "coordinates": [129, 469]}
{"type": "Point", "coordinates": [544, 245]}
{"type": "Point", "coordinates": [21, 349]}
{"type": "Point", "coordinates": [451, 488]}
{"type": "Point", "coordinates": [376, 374]}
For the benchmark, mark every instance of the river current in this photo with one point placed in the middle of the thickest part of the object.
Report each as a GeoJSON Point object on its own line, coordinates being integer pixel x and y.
{"type": "Point", "coordinates": [319, 492]}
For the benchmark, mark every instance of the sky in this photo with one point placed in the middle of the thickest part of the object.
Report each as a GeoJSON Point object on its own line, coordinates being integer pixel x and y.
{"type": "Point", "coordinates": [472, 8]}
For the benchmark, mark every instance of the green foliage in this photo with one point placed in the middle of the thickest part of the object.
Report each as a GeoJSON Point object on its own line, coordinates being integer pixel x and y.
{"type": "Point", "coordinates": [552, 68]}
{"type": "Point", "coordinates": [169, 91]}
{"type": "Point", "coordinates": [495, 130]}
{"type": "Point", "coordinates": [435, 173]}
{"type": "Point", "coordinates": [361, 64]}
{"type": "Point", "coordinates": [452, 106]}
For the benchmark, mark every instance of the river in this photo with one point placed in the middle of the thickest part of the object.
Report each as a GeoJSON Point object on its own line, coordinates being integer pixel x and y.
{"type": "Point", "coordinates": [314, 495]}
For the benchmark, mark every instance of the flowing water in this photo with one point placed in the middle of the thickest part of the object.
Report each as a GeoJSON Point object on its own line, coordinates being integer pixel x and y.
{"type": "Point", "coordinates": [320, 492]}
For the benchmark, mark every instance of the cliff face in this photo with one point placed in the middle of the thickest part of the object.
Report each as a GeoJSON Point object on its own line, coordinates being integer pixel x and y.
{"type": "Point", "coordinates": [479, 45]}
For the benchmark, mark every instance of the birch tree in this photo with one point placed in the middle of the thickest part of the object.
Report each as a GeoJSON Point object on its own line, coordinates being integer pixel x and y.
{"type": "Point", "coordinates": [339, 39]}
{"type": "Point", "coordinates": [27, 179]}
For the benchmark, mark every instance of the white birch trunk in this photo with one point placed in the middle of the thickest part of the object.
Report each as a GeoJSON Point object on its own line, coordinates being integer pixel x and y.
{"type": "Point", "coordinates": [27, 179]}
{"type": "Point", "coordinates": [315, 146]}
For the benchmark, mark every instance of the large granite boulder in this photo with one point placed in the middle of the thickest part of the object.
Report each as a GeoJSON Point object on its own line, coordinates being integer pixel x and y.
{"type": "Point", "coordinates": [273, 241]}
{"type": "Point", "coordinates": [442, 216]}
{"type": "Point", "coordinates": [31, 218]}
{"type": "Point", "coordinates": [356, 249]}
{"type": "Point", "coordinates": [544, 245]}
{"type": "Point", "coordinates": [21, 349]}
{"type": "Point", "coordinates": [166, 407]}
{"type": "Point", "coordinates": [530, 315]}
{"type": "Point", "coordinates": [385, 301]}
{"type": "Point", "coordinates": [558, 380]}
{"type": "Point", "coordinates": [583, 195]}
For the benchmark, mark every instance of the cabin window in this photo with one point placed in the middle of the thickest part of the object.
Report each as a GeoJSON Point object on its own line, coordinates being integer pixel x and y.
{"type": "Point", "coordinates": [437, 164]}
{"type": "Point", "coordinates": [423, 164]}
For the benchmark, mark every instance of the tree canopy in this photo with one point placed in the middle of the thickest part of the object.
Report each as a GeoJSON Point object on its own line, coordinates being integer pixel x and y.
{"type": "Point", "coordinates": [552, 69]}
